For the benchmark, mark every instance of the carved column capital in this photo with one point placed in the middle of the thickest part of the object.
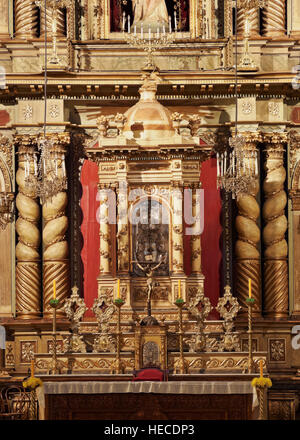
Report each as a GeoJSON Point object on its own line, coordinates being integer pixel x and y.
{"type": "Point", "coordinates": [59, 139]}
{"type": "Point", "coordinates": [275, 139]}
{"type": "Point", "coordinates": [251, 139]}
{"type": "Point", "coordinates": [22, 141]}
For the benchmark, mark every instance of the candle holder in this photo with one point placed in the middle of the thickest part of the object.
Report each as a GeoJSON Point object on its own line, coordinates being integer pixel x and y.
{"type": "Point", "coordinates": [181, 364]}
{"type": "Point", "coordinates": [32, 383]}
{"type": "Point", "coordinates": [53, 5]}
{"type": "Point", "coordinates": [150, 42]}
{"type": "Point", "coordinates": [251, 366]}
{"type": "Point", "coordinates": [54, 303]}
{"type": "Point", "coordinates": [247, 64]}
{"type": "Point", "coordinates": [117, 366]}
{"type": "Point", "coordinates": [261, 384]}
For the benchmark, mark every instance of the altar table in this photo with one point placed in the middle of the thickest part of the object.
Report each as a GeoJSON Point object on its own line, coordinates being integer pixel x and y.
{"type": "Point", "coordinates": [178, 400]}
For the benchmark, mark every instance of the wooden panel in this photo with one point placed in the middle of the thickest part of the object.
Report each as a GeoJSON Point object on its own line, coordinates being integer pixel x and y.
{"type": "Point", "coordinates": [148, 407]}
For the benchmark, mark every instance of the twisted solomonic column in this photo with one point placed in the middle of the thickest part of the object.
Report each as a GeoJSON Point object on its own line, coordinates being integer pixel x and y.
{"type": "Point", "coordinates": [123, 230]}
{"type": "Point", "coordinates": [196, 237]}
{"type": "Point", "coordinates": [105, 236]}
{"type": "Point", "coordinates": [26, 19]}
{"type": "Point", "coordinates": [28, 270]}
{"type": "Point", "coordinates": [60, 22]}
{"type": "Point", "coordinates": [253, 20]}
{"type": "Point", "coordinates": [274, 18]}
{"type": "Point", "coordinates": [247, 261]}
{"type": "Point", "coordinates": [177, 228]}
{"type": "Point", "coordinates": [276, 248]}
{"type": "Point", "coordinates": [55, 245]}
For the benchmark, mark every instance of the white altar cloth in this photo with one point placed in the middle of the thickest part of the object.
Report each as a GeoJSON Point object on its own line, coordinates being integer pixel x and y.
{"type": "Point", "coordinates": [178, 387]}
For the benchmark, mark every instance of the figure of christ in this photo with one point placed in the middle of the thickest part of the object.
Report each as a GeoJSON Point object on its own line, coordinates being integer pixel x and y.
{"type": "Point", "coordinates": [148, 271]}
{"type": "Point", "coordinates": [152, 14]}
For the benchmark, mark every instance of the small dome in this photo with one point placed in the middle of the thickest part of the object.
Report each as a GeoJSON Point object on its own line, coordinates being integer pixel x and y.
{"type": "Point", "coordinates": [148, 120]}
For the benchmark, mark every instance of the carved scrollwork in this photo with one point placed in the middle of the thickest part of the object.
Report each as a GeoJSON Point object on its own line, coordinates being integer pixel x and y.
{"type": "Point", "coordinates": [103, 308]}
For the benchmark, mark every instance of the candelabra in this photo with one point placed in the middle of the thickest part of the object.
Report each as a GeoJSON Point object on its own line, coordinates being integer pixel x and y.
{"type": "Point", "coordinates": [117, 365]}
{"type": "Point", "coordinates": [47, 177]}
{"type": "Point", "coordinates": [54, 303]}
{"type": "Point", "coordinates": [54, 6]}
{"type": "Point", "coordinates": [180, 365]}
{"type": "Point", "coordinates": [6, 208]}
{"type": "Point", "coordinates": [247, 64]}
{"type": "Point", "coordinates": [148, 40]}
{"type": "Point", "coordinates": [237, 170]}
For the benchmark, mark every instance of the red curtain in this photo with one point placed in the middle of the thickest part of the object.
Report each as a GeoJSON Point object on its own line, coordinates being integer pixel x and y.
{"type": "Point", "coordinates": [90, 231]}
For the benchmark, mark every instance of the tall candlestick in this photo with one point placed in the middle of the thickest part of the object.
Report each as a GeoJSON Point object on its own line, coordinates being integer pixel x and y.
{"type": "Point", "coordinates": [118, 289]}
{"type": "Point", "coordinates": [170, 25]}
{"type": "Point", "coordinates": [261, 367]}
{"type": "Point", "coordinates": [129, 24]}
{"type": "Point", "coordinates": [123, 24]}
{"type": "Point", "coordinates": [141, 30]}
{"type": "Point", "coordinates": [218, 165]}
{"type": "Point", "coordinates": [249, 287]}
{"type": "Point", "coordinates": [179, 289]}
{"type": "Point", "coordinates": [54, 289]}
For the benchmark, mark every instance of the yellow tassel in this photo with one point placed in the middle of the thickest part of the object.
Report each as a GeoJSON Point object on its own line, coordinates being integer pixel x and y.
{"type": "Point", "coordinates": [261, 382]}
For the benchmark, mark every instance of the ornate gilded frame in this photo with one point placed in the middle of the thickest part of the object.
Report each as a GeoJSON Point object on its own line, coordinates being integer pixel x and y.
{"type": "Point", "coordinates": [104, 21]}
{"type": "Point", "coordinates": [165, 204]}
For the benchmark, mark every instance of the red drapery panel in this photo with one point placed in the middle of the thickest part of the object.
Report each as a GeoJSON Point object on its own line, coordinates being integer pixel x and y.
{"type": "Point", "coordinates": [90, 231]}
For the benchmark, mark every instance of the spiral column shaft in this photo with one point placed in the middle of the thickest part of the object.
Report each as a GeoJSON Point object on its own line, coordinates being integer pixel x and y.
{"type": "Point", "coordinates": [123, 234]}
{"type": "Point", "coordinates": [56, 252]}
{"type": "Point", "coordinates": [105, 238]}
{"type": "Point", "coordinates": [276, 248]}
{"type": "Point", "coordinates": [28, 270]}
{"type": "Point", "coordinates": [253, 20]}
{"type": "Point", "coordinates": [177, 231]}
{"type": "Point", "coordinates": [60, 22]}
{"type": "Point", "coordinates": [247, 261]}
{"type": "Point", "coordinates": [196, 237]}
{"type": "Point", "coordinates": [26, 19]}
{"type": "Point", "coordinates": [274, 18]}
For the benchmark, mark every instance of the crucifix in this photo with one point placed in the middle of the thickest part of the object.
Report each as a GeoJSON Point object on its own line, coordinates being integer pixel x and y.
{"type": "Point", "coordinates": [148, 270]}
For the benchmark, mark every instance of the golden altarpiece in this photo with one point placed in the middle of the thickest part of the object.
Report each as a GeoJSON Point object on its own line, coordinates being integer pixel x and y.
{"type": "Point", "coordinates": [149, 138]}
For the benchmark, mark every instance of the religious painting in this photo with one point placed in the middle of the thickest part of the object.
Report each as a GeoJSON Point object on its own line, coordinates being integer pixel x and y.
{"type": "Point", "coordinates": [150, 354]}
{"type": "Point", "coordinates": [154, 14]}
{"type": "Point", "coordinates": [150, 236]}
